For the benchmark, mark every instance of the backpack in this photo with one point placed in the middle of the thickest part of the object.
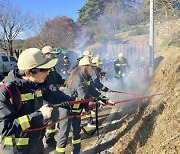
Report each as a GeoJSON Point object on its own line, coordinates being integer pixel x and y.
{"type": "Point", "coordinates": [14, 93]}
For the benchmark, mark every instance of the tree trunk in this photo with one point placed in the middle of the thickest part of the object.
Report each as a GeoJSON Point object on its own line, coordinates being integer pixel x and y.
{"type": "Point", "coordinates": [10, 47]}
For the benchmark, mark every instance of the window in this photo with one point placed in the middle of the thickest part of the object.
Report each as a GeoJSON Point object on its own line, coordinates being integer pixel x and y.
{"type": "Point", "coordinates": [5, 58]}
{"type": "Point", "coordinates": [13, 59]}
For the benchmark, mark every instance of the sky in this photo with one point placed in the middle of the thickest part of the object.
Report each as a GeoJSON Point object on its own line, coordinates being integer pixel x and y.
{"type": "Point", "coordinates": [50, 9]}
{"type": "Point", "coordinates": [53, 8]}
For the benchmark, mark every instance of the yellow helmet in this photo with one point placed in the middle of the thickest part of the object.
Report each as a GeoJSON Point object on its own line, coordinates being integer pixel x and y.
{"type": "Point", "coordinates": [97, 61]}
{"type": "Point", "coordinates": [85, 62]}
{"type": "Point", "coordinates": [121, 55]}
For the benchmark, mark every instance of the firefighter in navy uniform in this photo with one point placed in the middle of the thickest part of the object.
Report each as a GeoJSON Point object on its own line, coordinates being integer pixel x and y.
{"type": "Point", "coordinates": [121, 68]}
{"type": "Point", "coordinates": [65, 66]}
{"type": "Point", "coordinates": [86, 54]}
{"type": "Point", "coordinates": [97, 63]}
{"type": "Point", "coordinates": [97, 74]}
{"type": "Point", "coordinates": [142, 68]}
{"type": "Point", "coordinates": [79, 86]}
{"type": "Point", "coordinates": [21, 107]}
{"type": "Point", "coordinates": [55, 80]}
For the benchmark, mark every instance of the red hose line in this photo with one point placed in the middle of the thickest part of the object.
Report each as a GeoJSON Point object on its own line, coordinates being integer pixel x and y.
{"type": "Point", "coordinates": [129, 93]}
{"type": "Point", "coordinates": [133, 99]}
{"type": "Point", "coordinates": [85, 101]}
{"type": "Point", "coordinates": [53, 123]}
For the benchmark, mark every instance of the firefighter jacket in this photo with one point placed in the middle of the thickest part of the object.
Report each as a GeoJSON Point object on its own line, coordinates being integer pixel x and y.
{"type": "Point", "coordinates": [96, 80]}
{"type": "Point", "coordinates": [15, 119]}
{"type": "Point", "coordinates": [141, 66]}
{"type": "Point", "coordinates": [65, 67]}
{"type": "Point", "coordinates": [54, 78]}
{"type": "Point", "coordinates": [121, 67]}
{"type": "Point", "coordinates": [81, 88]}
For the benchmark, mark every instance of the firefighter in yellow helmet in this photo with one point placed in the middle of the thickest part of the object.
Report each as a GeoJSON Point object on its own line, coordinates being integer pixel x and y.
{"type": "Point", "coordinates": [54, 80]}
{"type": "Point", "coordinates": [22, 93]}
{"type": "Point", "coordinates": [79, 86]}
{"type": "Point", "coordinates": [121, 68]}
{"type": "Point", "coordinates": [65, 66]}
{"type": "Point", "coordinates": [86, 54]}
{"type": "Point", "coordinates": [95, 81]}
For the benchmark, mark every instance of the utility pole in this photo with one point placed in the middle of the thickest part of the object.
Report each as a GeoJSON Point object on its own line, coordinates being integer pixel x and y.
{"type": "Point", "coordinates": [151, 38]}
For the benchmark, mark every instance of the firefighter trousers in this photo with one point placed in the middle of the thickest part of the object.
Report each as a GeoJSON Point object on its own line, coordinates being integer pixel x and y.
{"type": "Point", "coordinates": [88, 116]}
{"type": "Point", "coordinates": [64, 129]}
{"type": "Point", "coordinates": [120, 82]}
{"type": "Point", "coordinates": [35, 145]}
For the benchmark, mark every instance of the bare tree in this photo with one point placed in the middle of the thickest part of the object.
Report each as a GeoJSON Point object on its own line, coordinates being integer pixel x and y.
{"type": "Point", "coordinates": [13, 22]}
{"type": "Point", "coordinates": [38, 24]}
{"type": "Point", "coordinates": [57, 32]}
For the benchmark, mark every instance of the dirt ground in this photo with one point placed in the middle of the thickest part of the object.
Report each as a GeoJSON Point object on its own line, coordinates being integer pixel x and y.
{"type": "Point", "coordinates": [155, 126]}
{"type": "Point", "coordinates": [87, 142]}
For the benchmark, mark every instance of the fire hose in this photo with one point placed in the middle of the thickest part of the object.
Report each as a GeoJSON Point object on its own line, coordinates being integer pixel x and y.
{"type": "Point", "coordinates": [128, 93]}
{"type": "Point", "coordinates": [92, 107]}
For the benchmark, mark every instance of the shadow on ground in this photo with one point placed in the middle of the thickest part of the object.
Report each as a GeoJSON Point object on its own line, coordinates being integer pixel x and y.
{"type": "Point", "coordinates": [140, 137]}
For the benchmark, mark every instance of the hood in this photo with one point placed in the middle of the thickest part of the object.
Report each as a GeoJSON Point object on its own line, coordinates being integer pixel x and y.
{"type": "Point", "coordinates": [13, 76]}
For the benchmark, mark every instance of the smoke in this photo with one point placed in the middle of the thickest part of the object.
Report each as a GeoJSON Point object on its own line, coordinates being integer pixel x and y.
{"type": "Point", "coordinates": [101, 36]}
{"type": "Point", "coordinates": [133, 83]}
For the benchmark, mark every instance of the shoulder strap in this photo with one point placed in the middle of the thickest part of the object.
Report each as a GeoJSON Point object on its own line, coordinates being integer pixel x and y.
{"type": "Point", "coordinates": [16, 99]}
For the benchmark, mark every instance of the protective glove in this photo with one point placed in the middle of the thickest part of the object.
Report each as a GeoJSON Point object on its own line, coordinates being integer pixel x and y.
{"type": "Point", "coordinates": [103, 101]}
{"type": "Point", "coordinates": [110, 103]}
{"type": "Point", "coordinates": [46, 111]}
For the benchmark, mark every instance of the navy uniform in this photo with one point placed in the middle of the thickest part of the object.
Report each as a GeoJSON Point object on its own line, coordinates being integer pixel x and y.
{"type": "Point", "coordinates": [22, 102]}
{"type": "Point", "coordinates": [65, 66]}
{"type": "Point", "coordinates": [96, 80]}
{"type": "Point", "coordinates": [80, 88]}
{"type": "Point", "coordinates": [86, 54]}
{"type": "Point", "coordinates": [142, 67]}
{"type": "Point", "coordinates": [121, 68]}
{"type": "Point", "coordinates": [54, 79]}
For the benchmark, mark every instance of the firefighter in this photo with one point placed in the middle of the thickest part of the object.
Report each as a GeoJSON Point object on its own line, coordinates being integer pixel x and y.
{"type": "Point", "coordinates": [65, 66]}
{"type": "Point", "coordinates": [55, 80]}
{"type": "Point", "coordinates": [79, 86]}
{"type": "Point", "coordinates": [97, 75]}
{"type": "Point", "coordinates": [22, 93]}
{"type": "Point", "coordinates": [121, 68]}
{"type": "Point", "coordinates": [86, 54]}
{"type": "Point", "coordinates": [142, 67]}
{"type": "Point", "coordinates": [97, 63]}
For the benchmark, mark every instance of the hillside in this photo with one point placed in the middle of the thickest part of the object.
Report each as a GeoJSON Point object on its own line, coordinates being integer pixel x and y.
{"type": "Point", "coordinates": [155, 126]}
{"type": "Point", "coordinates": [151, 126]}
{"type": "Point", "coordinates": [157, 129]}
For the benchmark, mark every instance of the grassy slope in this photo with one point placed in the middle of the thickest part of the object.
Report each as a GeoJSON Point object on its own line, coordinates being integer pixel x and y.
{"type": "Point", "coordinates": [157, 127]}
